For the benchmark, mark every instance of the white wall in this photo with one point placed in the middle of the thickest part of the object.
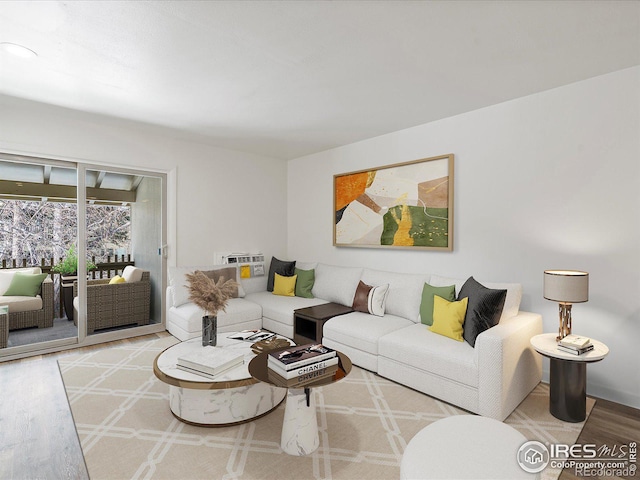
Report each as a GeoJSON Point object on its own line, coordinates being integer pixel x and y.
{"type": "Point", "coordinates": [221, 201]}
{"type": "Point", "coordinates": [550, 180]}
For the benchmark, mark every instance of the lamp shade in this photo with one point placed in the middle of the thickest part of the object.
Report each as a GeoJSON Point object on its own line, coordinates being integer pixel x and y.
{"type": "Point", "coordinates": [568, 286]}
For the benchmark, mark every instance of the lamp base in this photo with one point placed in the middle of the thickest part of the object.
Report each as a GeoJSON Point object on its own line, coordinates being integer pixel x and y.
{"type": "Point", "coordinates": [564, 328]}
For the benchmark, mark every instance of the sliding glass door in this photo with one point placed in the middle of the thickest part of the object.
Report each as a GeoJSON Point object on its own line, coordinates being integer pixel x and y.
{"type": "Point", "coordinates": [38, 231]}
{"type": "Point", "coordinates": [97, 234]}
{"type": "Point", "coordinates": [124, 238]}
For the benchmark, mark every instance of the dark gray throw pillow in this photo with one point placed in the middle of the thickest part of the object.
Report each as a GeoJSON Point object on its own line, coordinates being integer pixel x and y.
{"type": "Point", "coordinates": [483, 310]}
{"type": "Point", "coordinates": [286, 269]}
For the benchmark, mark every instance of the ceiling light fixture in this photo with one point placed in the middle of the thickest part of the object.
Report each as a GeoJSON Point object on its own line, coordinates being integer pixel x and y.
{"type": "Point", "coordinates": [17, 50]}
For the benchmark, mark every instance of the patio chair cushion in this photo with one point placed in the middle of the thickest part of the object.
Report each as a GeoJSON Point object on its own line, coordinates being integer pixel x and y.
{"type": "Point", "coordinates": [6, 276]}
{"type": "Point", "coordinates": [25, 284]}
{"type": "Point", "coordinates": [21, 304]}
{"type": "Point", "coordinates": [132, 274]}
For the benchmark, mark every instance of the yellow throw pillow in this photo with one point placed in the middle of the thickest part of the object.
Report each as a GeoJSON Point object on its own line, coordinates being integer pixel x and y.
{"type": "Point", "coordinates": [116, 279]}
{"type": "Point", "coordinates": [448, 317]}
{"type": "Point", "coordinates": [285, 286]}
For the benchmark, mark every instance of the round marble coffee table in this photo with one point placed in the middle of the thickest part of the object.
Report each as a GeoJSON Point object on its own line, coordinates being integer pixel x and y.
{"type": "Point", "coordinates": [234, 397]}
{"type": "Point", "coordinates": [300, 424]}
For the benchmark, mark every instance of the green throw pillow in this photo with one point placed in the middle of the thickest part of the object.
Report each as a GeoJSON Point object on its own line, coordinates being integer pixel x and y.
{"type": "Point", "coordinates": [426, 306]}
{"type": "Point", "coordinates": [25, 284]}
{"type": "Point", "coordinates": [306, 279]}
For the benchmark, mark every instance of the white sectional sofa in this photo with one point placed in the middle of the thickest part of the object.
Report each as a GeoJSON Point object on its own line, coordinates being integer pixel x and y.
{"type": "Point", "coordinates": [490, 379]}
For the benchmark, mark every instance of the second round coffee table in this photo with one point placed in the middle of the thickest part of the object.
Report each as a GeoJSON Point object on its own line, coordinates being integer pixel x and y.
{"type": "Point", "coordinates": [300, 424]}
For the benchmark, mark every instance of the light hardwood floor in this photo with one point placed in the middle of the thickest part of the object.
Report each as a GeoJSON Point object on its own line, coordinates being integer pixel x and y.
{"type": "Point", "coordinates": [38, 437]}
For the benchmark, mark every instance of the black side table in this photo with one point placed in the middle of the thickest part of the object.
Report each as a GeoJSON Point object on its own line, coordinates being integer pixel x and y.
{"type": "Point", "coordinates": [567, 376]}
{"type": "Point", "coordinates": [308, 322]}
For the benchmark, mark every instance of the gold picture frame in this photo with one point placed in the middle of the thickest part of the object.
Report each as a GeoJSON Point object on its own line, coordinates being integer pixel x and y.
{"type": "Point", "coordinates": [404, 205]}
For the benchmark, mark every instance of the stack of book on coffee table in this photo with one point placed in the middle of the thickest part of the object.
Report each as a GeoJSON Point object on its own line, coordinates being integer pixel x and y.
{"type": "Point", "coordinates": [210, 361]}
{"type": "Point", "coordinates": [301, 365]}
{"type": "Point", "coordinates": [575, 344]}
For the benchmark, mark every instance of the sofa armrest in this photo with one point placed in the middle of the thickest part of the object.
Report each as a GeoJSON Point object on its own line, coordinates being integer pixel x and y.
{"type": "Point", "coordinates": [509, 368]}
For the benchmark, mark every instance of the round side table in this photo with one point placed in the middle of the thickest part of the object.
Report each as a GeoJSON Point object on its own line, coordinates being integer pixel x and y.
{"type": "Point", "coordinates": [300, 424]}
{"type": "Point", "coordinates": [567, 376]}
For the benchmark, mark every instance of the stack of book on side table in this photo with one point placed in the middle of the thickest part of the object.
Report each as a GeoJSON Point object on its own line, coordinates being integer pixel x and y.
{"type": "Point", "coordinates": [301, 365]}
{"type": "Point", "coordinates": [210, 361]}
{"type": "Point", "coordinates": [575, 344]}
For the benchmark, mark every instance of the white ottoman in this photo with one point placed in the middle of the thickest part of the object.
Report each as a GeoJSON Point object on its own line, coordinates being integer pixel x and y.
{"type": "Point", "coordinates": [464, 446]}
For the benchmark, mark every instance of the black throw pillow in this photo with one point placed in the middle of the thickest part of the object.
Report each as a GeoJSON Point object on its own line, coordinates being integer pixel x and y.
{"type": "Point", "coordinates": [483, 310]}
{"type": "Point", "coordinates": [286, 269]}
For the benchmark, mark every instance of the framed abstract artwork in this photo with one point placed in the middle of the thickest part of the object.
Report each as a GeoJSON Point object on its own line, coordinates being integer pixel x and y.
{"type": "Point", "coordinates": [404, 205]}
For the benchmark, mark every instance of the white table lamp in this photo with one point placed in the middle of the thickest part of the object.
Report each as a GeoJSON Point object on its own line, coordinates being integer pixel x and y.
{"type": "Point", "coordinates": [566, 287]}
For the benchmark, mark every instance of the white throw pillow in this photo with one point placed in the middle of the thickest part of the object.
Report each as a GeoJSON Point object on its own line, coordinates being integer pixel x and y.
{"type": "Point", "coordinates": [377, 298]}
{"type": "Point", "coordinates": [132, 274]}
{"type": "Point", "coordinates": [336, 284]}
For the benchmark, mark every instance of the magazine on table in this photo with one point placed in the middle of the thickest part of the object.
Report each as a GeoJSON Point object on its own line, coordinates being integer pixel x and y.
{"type": "Point", "coordinates": [252, 335]}
{"type": "Point", "coordinates": [301, 355]}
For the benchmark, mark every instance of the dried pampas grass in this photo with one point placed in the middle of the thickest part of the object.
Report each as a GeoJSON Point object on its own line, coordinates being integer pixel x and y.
{"type": "Point", "coordinates": [210, 296]}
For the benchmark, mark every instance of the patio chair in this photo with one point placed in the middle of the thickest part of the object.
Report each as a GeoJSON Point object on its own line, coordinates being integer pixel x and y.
{"type": "Point", "coordinates": [115, 305]}
{"type": "Point", "coordinates": [29, 317]}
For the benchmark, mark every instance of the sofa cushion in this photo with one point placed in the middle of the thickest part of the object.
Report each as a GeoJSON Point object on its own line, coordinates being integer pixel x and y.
{"type": "Point", "coordinates": [21, 304]}
{"type": "Point", "coordinates": [361, 330]}
{"type": "Point", "coordinates": [178, 281]}
{"type": "Point", "coordinates": [304, 283]}
{"type": "Point", "coordinates": [189, 316]}
{"type": "Point", "coordinates": [25, 284]}
{"type": "Point", "coordinates": [337, 284]}
{"type": "Point", "coordinates": [285, 286]}
{"type": "Point", "coordinates": [306, 265]}
{"type": "Point", "coordinates": [484, 310]}
{"type": "Point", "coordinates": [426, 305]}
{"type": "Point", "coordinates": [511, 302]}
{"type": "Point", "coordinates": [279, 308]}
{"type": "Point", "coordinates": [226, 273]}
{"type": "Point", "coordinates": [405, 291]}
{"type": "Point", "coordinates": [448, 317]}
{"type": "Point", "coordinates": [286, 269]}
{"type": "Point", "coordinates": [427, 351]}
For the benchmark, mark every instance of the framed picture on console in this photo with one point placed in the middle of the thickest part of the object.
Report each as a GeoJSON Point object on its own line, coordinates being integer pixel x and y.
{"type": "Point", "coordinates": [404, 205]}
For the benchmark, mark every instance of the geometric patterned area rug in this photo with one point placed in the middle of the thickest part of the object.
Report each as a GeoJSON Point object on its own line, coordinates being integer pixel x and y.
{"type": "Point", "coordinates": [121, 412]}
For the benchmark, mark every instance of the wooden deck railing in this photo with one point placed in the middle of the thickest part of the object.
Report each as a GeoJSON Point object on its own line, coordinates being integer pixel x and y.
{"type": "Point", "coordinates": [113, 266]}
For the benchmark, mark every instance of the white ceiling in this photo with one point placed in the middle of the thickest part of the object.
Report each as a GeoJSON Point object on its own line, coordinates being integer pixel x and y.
{"type": "Point", "coordinates": [287, 78]}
